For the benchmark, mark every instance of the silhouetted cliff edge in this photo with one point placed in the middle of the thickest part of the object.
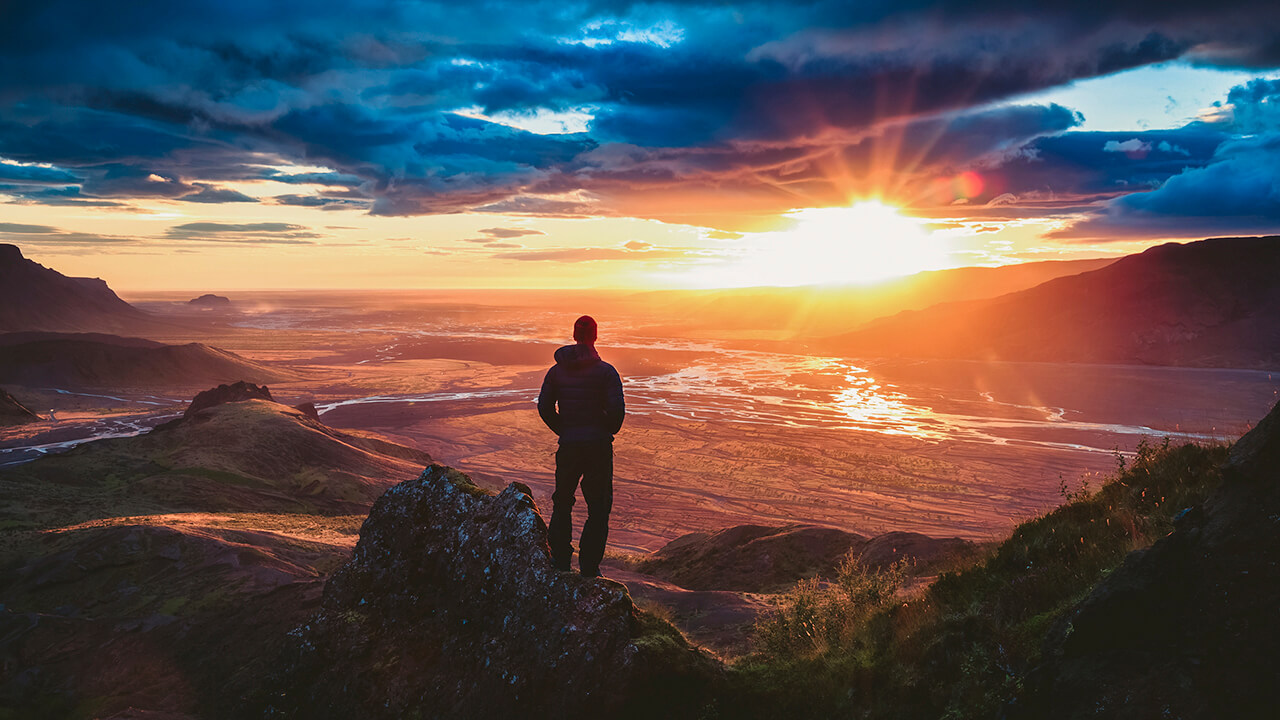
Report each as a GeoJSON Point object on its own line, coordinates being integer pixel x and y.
{"type": "Point", "coordinates": [449, 608]}
{"type": "Point", "coordinates": [34, 297]}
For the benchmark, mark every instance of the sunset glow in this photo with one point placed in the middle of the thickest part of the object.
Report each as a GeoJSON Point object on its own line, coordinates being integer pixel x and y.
{"type": "Point", "coordinates": [636, 146]}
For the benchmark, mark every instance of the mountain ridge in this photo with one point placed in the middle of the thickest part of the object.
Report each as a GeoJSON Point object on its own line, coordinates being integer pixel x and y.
{"type": "Point", "coordinates": [1211, 303]}
{"type": "Point", "coordinates": [33, 297]}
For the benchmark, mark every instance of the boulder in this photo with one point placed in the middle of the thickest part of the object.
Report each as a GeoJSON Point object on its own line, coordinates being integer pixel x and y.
{"type": "Point", "coordinates": [309, 410]}
{"type": "Point", "coordinates": [450, 608]}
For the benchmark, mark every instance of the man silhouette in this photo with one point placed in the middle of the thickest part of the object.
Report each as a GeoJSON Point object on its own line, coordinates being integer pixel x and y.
{"type": "Point", "coordinates": [581, 401]}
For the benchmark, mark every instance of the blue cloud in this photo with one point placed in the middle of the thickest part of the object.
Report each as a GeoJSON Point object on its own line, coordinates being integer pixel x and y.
{"type": "Point", "coordinates": [162, 99]}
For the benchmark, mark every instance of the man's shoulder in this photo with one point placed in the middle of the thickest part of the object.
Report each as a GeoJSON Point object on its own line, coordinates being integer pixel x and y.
{"type": "Point", "coordinates": [607, 370]}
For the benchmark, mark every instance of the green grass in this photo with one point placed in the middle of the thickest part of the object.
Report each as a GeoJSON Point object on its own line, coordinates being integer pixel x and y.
{"type": "Point", "coordinates": [960, 649]}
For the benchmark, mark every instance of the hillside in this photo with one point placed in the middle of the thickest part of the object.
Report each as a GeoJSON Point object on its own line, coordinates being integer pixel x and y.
{"type": "Point", "coordinates": [107, 361]}
{"type": "Point", "coordinates": [249, 456]}
{"type": "Point", "coordinates": [33, 297]}
{"type": "Point", "coordinates": [158, 572]}
{"type": "Point", "coordinates": [1213, 303]}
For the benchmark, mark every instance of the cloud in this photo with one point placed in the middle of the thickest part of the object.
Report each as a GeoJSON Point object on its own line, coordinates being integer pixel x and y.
{"type": "Point", "coordinates": [48, 235]}
{"type": "Point", "coordinates": [211, 194]}
{"type": "Point", "coordinates": [1235, 189]}
{"type": "Point", "coordinates": [9, 172]}
{"type": "Point", "coordinates": [697, 111]}
{"type": "Point", "coordinates": [539, 206]}
{"type": "Point", "coordinates": [271, 233]}
{"type": "Point", "coordinates": [21, 229]}
{"type": "Point", "coordinates": [318, 201]}
{"type": "Point", "coordinates": [1131, 147]}
{"type": "Point", "coordinates": [509, 232]}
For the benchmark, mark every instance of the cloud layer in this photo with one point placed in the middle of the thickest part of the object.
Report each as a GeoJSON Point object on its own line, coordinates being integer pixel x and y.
{"type": "Point", "coordinates": [694, 111]}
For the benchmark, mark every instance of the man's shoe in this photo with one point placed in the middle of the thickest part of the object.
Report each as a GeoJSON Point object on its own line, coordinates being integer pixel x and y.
{"type": "Point", "coordinates": [590, 572]}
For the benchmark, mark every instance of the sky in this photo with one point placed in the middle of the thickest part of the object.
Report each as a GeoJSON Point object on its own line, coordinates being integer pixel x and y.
{"type": "Point", "coordinates": [224, 144]}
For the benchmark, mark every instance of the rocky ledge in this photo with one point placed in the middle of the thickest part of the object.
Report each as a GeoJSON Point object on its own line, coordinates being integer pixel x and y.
{"type": "Point", "coordinates": [449, 607]}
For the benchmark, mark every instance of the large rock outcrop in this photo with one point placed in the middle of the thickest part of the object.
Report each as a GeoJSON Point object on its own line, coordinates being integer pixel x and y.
{"type": "Point", "coordinates": [449, 608]}
{"type": "Point", "coordinates": [235, 392]}
{"type": "Point", "coordinates": [1189, 627]}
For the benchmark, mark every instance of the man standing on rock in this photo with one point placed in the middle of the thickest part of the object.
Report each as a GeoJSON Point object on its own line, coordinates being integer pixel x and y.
{"type": "Point", "coordinates": [581, 401]}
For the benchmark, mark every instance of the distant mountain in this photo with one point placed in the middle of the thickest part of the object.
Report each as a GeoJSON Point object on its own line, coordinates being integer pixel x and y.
{"type": "Point", "coordinates": [253, 456]}
{"type": "Point", "coordinates": [209, 301]}
{"type": "Point", "coordinates": [33, 297]}
{"type": "Point", "coordinates": [107, 361]}
{"type": "Point", "coordinates": [1213, 303]}
{"type": "Point", "coordinates": [13, 412]}
{"type": "Point", "coordinates": [823, 310]}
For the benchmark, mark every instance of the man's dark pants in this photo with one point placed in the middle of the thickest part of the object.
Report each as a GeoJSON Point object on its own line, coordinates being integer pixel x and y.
{"type": "Point", "coordinates": [592, 464]}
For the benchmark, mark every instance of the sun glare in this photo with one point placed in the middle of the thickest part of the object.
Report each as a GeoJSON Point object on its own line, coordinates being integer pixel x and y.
{"type": "Point", "coordinates": [863, 243]}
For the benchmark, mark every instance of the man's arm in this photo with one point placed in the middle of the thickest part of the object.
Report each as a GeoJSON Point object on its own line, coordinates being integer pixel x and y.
{"type": "Point", "coordinates": [547, 402]}
{"type": "Point", "coordinates": [615, 409]}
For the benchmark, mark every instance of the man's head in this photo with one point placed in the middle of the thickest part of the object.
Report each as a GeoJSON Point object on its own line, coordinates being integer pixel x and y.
{"type": "Point", "coordinates": [584, 330]}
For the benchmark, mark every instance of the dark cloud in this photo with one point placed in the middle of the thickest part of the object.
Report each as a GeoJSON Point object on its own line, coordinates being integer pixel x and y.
{"type": "Point", "coordinates": [265, 233]}
{"type": "Point", "coordinates": [21, 229]}
{"type": "Point", "coordinates": [750, 109]}
{"type": "Point", "coordinates": [47, 235]}
{"type": "Point", "coordinates": [212, 194]}
{"type": "Point", "coordinates": [319, 201]}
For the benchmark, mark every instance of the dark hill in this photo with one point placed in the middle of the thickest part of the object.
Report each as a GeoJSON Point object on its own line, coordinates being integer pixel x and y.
{"type": "Point", "coordinates": [254, 456]}
{"type": "Point", "coordinates": [142, 619]}
{"type": "Point", "coordinates": [1213, 303]}
{"type": "Point", "coordinates": [104, 361]}
{"type": "Point", "coordinates": [13, 412]}
{"type": "Point", "coordinates": [754, 558]}
{"type": "Point", "coordinates": [33, 297]}
{"type": "Point", "coordinates": [1187, 628]}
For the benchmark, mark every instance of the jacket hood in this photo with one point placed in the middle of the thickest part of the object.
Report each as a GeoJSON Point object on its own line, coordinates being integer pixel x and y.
{"type": "Point", "coordinates": [576, 357]}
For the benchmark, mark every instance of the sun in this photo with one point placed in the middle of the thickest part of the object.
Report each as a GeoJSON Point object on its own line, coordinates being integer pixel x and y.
{"type": "Point", "coordinates": [863, 243]}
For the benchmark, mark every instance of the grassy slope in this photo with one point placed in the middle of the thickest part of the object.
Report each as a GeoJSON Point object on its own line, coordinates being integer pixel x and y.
{"type": "Point", "coordinates": [244, 456]}
{"type": "Point", "coordinates": [961, 649]}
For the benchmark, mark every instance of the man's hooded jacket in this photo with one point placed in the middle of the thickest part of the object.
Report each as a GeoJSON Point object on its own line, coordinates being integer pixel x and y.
{"type": "Point", "coordinates": [581, 398]}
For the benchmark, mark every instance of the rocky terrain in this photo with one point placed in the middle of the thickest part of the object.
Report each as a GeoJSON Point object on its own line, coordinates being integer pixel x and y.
{"type": "Point", "coordinates": [449, 607]}
{"type": "Point", "coordinates": [1212, 303]}
{"type": "Point", "coordinates": [33, 297]}
{"type": "Point", "coordinates": [106, 361]}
